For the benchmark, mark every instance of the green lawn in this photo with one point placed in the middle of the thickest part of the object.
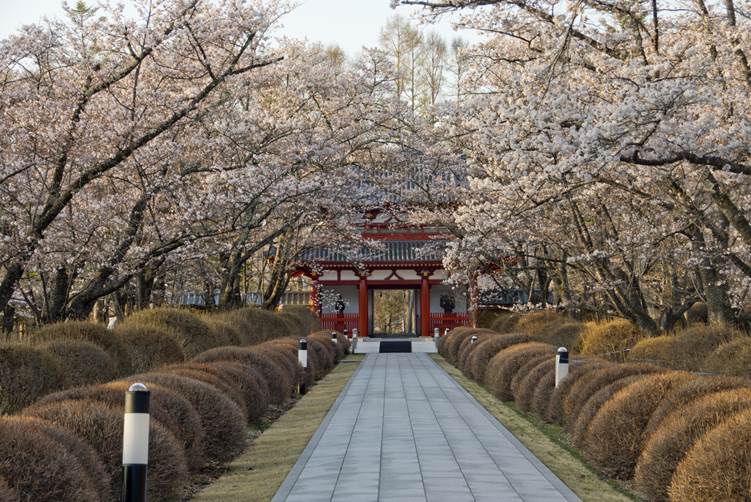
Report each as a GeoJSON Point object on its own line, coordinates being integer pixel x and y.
{"type": "Point", "coordinates": [546, 441]}
{"type": "Point", "coordinates": [257, 474]}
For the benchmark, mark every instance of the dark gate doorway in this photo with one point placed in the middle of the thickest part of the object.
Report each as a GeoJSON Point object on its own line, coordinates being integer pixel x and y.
{"type": "Point", "coordinates": [394, 313]}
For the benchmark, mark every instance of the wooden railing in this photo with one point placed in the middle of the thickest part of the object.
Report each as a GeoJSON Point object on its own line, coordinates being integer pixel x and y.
{"type": "Point", "coordinates": [339, 322]}
{"type": "Point", "coordinates": [443, 321]}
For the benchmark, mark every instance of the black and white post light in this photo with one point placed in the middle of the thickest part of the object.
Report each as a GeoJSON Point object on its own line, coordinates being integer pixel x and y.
{"type": "Point", "coordinates": [302, 358]}
{"type": "Point", "coordinates": [135, 443]}
{"type": "Point", "coordinates": [561, 365]}
{"type": "Point", "coordinates": [334, 340]}
{"type": "Point", "coordinates": [445, 332]}
{"type": "Point", "coordinates": [436, 333]}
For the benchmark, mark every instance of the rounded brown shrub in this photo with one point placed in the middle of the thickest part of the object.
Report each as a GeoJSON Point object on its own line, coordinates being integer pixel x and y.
{"type": "Point", "coordinates": [295, 326]}
{"type": "Point", "coordinates": [615, 436]}
{"type": "Point", "coordinates": [686, 349]}
{"type": "Point", "coordinates": [247, 329]}
{"type": "Point", "coordinates": [253, 386]}
{"type": "Point", "coordinates": [584, 388]}
{"type": "Point", "coordinates": [543, 393]}
{"type": "Point", "coordinates": [524, 392]}
{"type": "Point", "coordinates": [478, 359]}
{"type": "Point", "coordinates": [167, 407]}
{"type": "Point", "coordinates": [205, 375]}
{"type": "Point", "coordinates": [245, 382]}
{"type": "Point", "coordinates": [149, 346]}
{"type": "Point", "coordinates": [222, 420]}
{"type": "Point", "coordinates": [26, 374]}
{"type": "Point", "coordinates": [102, 427]}
{"type": "Point", "coordinates": [193, 335]}
{"type": "Point", "coordinates": [578, 369]}
{"type": "Point", "coordinates": [281, 385]}
{"type": "Point", "coordinates": [8, 494]}
{"type": "Point", "coordinates": [462, 343]}
{"type": "Point", "coordinates": [466, 348]}
{"type": "Point", "coordinates": [324, 357]}
{"type": "Point", "coordinates": [686, 392]}
{"type": "Point", "coordinates": [535, 322]}
{"type": "Point", "coordinates": [40, 468]}
{"type": "Point", "coordinates": [451, 343]}
{"type": "Point", "coordinates": [561, 334]}
{"type": "Point", "coordinates": [82, 362]}
{"type": "Point", "coordinates": [610, 339]}
{"type": "Point", "coordinates": [285, 358]}
{"type": "Point", "coordinates": [587, 412]}
{"type": "Point", "coordinates": [732, 358]}
{"type": "Point", "coordinates": [443, 341]}
{"type": "Point", "coordinates": [336, 351]}
{"type": "Point", "coordinates": [88, 332]}
{"type": "Point", "coordinates": [288, 347]}
{"type": "Point", "coordinates": [224, 330]}
{"type": "Point", "coordinates": [717, 466]}
{"type": "Point", "coordinates": [678, 432]}
{"type": "Point", "coordinates": [86, 456]}
{"type": "Point", "coordinates": [506, 363]}
{"type": "Point", "coordinates": [172, 410]}
{"type": "Point", "coordinates": [505, 323]}
{"type": "Point", "coordinates": [523, 371]}
{"type": "Point", "coordinates": [309, 320]}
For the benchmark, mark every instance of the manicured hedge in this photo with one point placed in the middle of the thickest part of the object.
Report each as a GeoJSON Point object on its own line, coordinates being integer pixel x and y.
{"type": "Point", "coordinates": [149, 345]}
{"type": "Point", "coordinates": [102, 427]}
{"type": "Point", "coordinates": [191, 332]}
{"type": "Point", "coordinates": [614, 438]}
{"type": "Point", "coordinates": [480, 356]}
{"type": "Point", "coordinates": [718, 466]}
{"type": "Point", "coordinates": [672, 432]}
{"type": "Point", "coordinates": [280, 383]}
{"type": "Point", "coordinates": [584, 388]}
{"type": "Point", "coordinates": [686, 349]}
{"type": "Point", "coordinates": [686, 392]}
{"type": "Point", "coordinates": [26, 374]}
{"type": "Point", "coordinates": [609, 339]}
{"type": "Point", "coordinates": [38, 467]}
{"type": "Point", "coordinates": [668, 446]}
{"type": "Point", "coordinates": [199, 408]}
{"type": "Point", "coordinates": [580, 422]}
{"type": "Point", "coordinates": [733, 358]}
{"type": "Point", "coordinates": [504, 366]}
{"type": "Point", "coordinates": [81, 362]}
{"type": "Point", "coordinates": [89, 332]}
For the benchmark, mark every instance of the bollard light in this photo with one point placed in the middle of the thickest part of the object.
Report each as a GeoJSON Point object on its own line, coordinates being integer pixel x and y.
{"type": "Point", "coordinates": [302, 358]}
{"type": "Point", "coordinates": [436, 333]}
{"type": "Point", "coordinates": [302, 353]}
{"type": "Point", "coordinates": [346, 333]}
{"type": "Point", "coordinates": [135, 443]}
{"type": "Point", "coordinates": [334, 340]}
{"type": "Point", "coordinates": [354, 333]}
{"type": "Point", "coordinates": [561, 365]}
{"type": "Point", "coordinates": [445, 332]}
{"type": "Point", "coordinates": [473, 339]}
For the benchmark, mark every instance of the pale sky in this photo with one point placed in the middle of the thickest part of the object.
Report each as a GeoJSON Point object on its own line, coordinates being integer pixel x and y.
{"type": "Point", "coordinates": [349, 23]}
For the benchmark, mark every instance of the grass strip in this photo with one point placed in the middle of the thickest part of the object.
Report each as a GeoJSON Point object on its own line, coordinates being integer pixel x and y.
{"type": "Point", "coordinates": [547, 442]}
{"type": "Point", "coordinates": [257, 474]}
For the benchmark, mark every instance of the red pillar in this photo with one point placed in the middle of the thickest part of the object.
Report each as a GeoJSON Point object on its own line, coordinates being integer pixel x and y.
{"type": "Point", "coordinates": [425, 304]}
{"type": "Point", "coordinates": [362, 318]}
{"type": "Point", "coordinates": [314, 302]}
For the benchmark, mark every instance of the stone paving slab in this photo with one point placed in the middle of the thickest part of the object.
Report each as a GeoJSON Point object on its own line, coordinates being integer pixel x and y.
{"type": "Point", "coordinates": [404, 430]}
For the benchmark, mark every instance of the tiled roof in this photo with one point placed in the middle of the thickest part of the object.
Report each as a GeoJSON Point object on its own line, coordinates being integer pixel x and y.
{"type": "Point", "coordinates": [389, 251]}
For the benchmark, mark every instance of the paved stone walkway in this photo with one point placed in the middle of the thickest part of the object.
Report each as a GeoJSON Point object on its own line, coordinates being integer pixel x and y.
{"type": "Point", "coordinates": [404, 430]}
